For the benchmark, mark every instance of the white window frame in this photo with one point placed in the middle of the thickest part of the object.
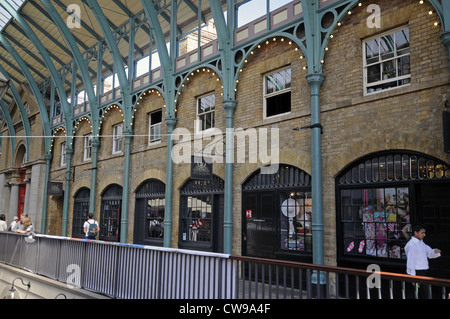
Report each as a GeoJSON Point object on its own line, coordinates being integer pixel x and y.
{"type": "Point", "coordinates": [282, 91]}
{"type": "Point", "coordinates": [63, 154]}
{"type": "Point", "coordinates": [87, 147]}
{"type": "Point", "coordinates": [117, 139]}
{"type": "Point", "coordinates": [154, 130]}
{"type": "Point", "coordinates": [198, 126]}
{"type": "Point", "coordinates": [394, 58]}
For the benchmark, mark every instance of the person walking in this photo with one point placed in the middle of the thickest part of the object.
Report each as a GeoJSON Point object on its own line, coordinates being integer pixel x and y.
{"type": "Point", "coordinates": [27, 226]}
{"type": "Point", "coordinates": [417, 255]}
{"type": "Point", "coordinates": [3, 223]}
{"type": "Point", "coordinates": [13, 223]}
{"type": "Point", "coordinates": [91, 227]}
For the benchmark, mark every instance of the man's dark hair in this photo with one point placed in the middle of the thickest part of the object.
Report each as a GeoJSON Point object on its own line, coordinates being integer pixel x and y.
{"type": "Point", "coordinates": [417, 228]}
{"type": "Point", "coordinates": [90, 215]}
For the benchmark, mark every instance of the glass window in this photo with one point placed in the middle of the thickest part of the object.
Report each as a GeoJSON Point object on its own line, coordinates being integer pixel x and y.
{"type": "Point", "coordinates": [80, 212]}
{"type": "Point", "coordinates": [87, 147]}
{"type": "Point", "coordinates": [197, 221]}
{"type": "Point", "coordinates": [295, 214]}
{"type": "Point", "coordinates": [155, 218]}
{"type": "Point", "coordinates": [201, 214]}
{"type": "Point", "coordinates": [149, 213]}
{"type": "Point", "coordinates": [63, 154]}
{"type": "Point", "coordinates": [277, 93]}
{"type": "Point", "coordinates": [374, 208]}
{"type": "Point", "coordinates": [387, 61]}
{"type": "Point", "coordinates": [110, 212]}
{"type": "Point", "coordinates": [155, 120]}
{"type": "Point", "coordinates": [249, 11]}
{"type": "Point", "coordinates": [205, 112]}
{"type": "Point", "coordinates": [375, 221]}
{"type": "Point", "coordinates": [143, 66]}
{"type": "Point", "coordinates": [117, 138]}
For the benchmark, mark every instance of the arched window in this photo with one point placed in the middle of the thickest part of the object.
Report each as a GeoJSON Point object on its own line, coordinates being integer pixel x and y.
{"type": "Point", "coordinates": [201, 214]}
{"type": "Point", "coordinates": [276, 214]}
{"type": "Point", "coordinates": [380, 196]}
{"type": "Point", "coordinates": [80, 212]}
{"type": "Point", "coordinates": [149, 213]}
{"type": "Point", "coordinates": [110, 212]}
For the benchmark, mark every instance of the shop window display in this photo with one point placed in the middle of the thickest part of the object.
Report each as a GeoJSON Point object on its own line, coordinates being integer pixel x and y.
{"type": "Point", "coordinates": [374, 211]}
{"type": "Point", "coordinates": [201, 214]}
{"type": "Point", "coordinates": [376, 221]}
{"type": "Point", "coordinates": [295, 215]}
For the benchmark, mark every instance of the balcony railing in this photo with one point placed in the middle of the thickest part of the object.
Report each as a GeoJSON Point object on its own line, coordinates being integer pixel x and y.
{"type": "Point", "coordinates": [131, 271]}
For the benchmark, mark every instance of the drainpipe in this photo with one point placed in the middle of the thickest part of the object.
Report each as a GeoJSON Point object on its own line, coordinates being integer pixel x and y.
{"type": "Point", "coordinates": [229, 153]}
{"type": "Point", "coordinates": [126, 185]}
{"type": "Point", "coordinates": [92, 195]}
{"type": "Point", "coordinates": [170, 122]}
{"type": "Point", "coordinates": [315, 82]}
{"type": "Point", "coordinates": [48, 160]}
{"type": "Point", "coordinates": [69, 153]}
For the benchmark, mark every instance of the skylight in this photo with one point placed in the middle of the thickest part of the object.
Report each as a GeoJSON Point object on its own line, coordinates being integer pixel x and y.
{"type": "Point", "coordinates": [5, 17]}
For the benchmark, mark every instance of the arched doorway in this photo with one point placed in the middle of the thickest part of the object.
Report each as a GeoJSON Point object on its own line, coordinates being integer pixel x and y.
{"type": "Point", "coordinates": [201, 215]}
{"type": "Point", "coordinates": [80, 212]}
{"type": "Point", "coordinates": [110, 213]}
{"type": "Point", "coordinates": [149, 213]}
{"type": "Point", "coordinates": [276, 215]}
{"type": "Point", "coordinates": [377, 200]}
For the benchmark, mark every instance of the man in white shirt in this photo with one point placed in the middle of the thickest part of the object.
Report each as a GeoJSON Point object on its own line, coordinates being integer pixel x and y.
{"type": "Point", "coordinates": [418, 253]}
{"type": "Point", "coordinates": [91, 227]}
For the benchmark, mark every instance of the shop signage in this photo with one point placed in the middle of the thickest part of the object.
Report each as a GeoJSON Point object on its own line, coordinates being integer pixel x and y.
{"type": "Point", "coordinates": [201, 168]}
{"type": "Point", "coordinates": [55, 189]}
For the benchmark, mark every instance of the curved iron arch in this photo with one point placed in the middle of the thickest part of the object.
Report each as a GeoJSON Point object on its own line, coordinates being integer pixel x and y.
{"type": "Point", "coordinates": [192, 186]}
{"type": "Point", "coordinates": [287, 176]}
{"type": "Point", "coordinates": [413, 166]}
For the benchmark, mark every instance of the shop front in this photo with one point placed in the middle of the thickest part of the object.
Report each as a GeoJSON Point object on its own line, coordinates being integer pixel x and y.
{"type": "Point", "coordinates": [379, 197]}
{"type": "Point", "coordinates": [276, 215]}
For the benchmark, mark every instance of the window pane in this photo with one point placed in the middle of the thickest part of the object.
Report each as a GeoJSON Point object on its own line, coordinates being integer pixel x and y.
{"type": "Point", "coordinates": [278, 81]}
{"type": "Point", "coordinates": [388, 69]}
{"type": "Point", "coordinates": [278, 104]}
{"type": "Point", "coordinates": [375, 227]}
{"type": "Point", "coordinates": [402, 41]}
{"type": "Point", "coordinates": [372, 51]}
{"type": "Point", "coordinates": [373, 73]}
{"type": "Point", "coordinates": [250, 11]}
{"type": "Point", "coordinates": [387, 47]}
{"type": "Point", "coordinates": [206, 103]}
{"type": "Point", "coordinates": [156, 117]}
{"type": "Point", "coordinates": [275, 4]}
{"type": "Point", "coordinates": [403, 66]}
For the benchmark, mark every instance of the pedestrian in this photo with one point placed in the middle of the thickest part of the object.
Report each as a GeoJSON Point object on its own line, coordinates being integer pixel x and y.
{"type": "Point", "coordinates": [91, 227]}
{"type": "Point", "coordinates": [3, 224]}
{"type": "Point", "coordinates": [19, 225]}
{"type": "Point", "coordinates": [13, 223]}
{"type": "Point", "coordinates": [417, 255]}
{"type": "Point", "coordinates": [27, 226]}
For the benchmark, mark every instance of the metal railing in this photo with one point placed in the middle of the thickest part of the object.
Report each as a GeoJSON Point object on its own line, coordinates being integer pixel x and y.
{"type": "Point", "coordinates": [277, 279]}
{"type": "Point", "coordinates": [122, 270]}
{"type": "Point", "coordinates": [131, 271]}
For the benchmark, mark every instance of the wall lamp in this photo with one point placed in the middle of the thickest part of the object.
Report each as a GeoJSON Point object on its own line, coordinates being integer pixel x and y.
{"type": "Point", "coordinates": [13, 293]}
